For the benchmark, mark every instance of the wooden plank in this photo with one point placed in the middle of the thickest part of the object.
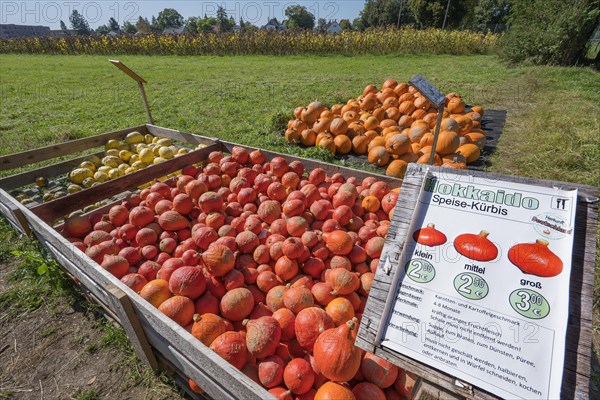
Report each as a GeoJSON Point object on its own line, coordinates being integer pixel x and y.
{"type": "Point", "coordinates": [131, 325]}
{"type": "Point", "coordinates": [13, 215]}
{"type": "Point", "coordinates": [180, 136]}
{"type": "Point", "coordinates": [225, 379]}
{"type": "Point", "coordinates": [16, 160]}
{"type": "Point", "coordinates": [48, 172]}
{"type": "Point", "coordinates": [312, 164]}
{"type": "Point", "coordinates": [579, 328]}
{"type": "Point", "coordinates": [56, 208]}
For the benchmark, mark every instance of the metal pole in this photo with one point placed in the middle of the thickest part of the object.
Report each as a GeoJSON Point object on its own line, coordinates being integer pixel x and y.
{"type": "Point", "coordinates": [438, 125]}
{"type": "Point", "coordinates": [446, 15]}
{"type": "Point", "coordinates": [145, 100]}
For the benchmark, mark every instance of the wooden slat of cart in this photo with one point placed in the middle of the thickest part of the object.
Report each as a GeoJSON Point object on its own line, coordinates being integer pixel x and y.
{"type": "Point", "coordinates": [209, 370]}
{"type": "Point", "coordinates": [56, 208]}
{"type": "Point", "coordinates": [312, 164]}
{"type": "Point", "coordinates": [56, 150]}
{"type": "Point", "coordinates": [48, 172]}
{"type": "Point", "coordinates": [576, 374]}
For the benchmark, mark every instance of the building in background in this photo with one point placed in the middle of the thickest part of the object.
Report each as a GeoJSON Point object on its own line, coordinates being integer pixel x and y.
{"type": "Point", "coordinates": [274, 25]}
{"type": "Point", "coordinates": [12, 31]}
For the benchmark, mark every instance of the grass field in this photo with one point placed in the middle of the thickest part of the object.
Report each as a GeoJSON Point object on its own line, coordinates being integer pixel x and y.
{"type": "Point", "coordinates": [551, 131]}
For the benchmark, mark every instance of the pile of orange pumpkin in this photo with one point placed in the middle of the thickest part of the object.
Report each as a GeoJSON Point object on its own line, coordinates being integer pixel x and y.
{"type": "Point", "coordinates": [268, 265]}
{"type": "Point", "coordinates": [393, 126]}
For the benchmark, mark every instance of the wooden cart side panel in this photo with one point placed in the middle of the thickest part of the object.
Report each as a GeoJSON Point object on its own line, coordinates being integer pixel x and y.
{"type": "Point", "coordinates": [56, 208]}
{"type": "Point", "coordinates": [13, 214]}
{"type": "Point", "coordinates": [16, 160]}
{"type": "Point", "coordinates": [312, 164]}
{"type": "Point", "coordinates": [199, 356]}
{"type": "Point", "coordinates": [48, 172]}
{"type": "Point", "coordinates": [180, 136]}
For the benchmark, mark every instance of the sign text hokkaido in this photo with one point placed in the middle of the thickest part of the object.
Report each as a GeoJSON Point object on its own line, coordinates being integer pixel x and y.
{"type": "Point", "coordinates": [490, 201]}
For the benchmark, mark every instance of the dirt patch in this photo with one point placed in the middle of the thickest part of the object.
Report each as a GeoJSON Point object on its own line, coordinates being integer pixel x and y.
{"type": "Point", "coordinates": [68, 352]}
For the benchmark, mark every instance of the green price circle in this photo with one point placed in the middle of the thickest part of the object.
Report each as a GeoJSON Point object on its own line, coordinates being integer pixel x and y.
{"type": "Point", "coordinates": [419, 270]}
{"type": "Point", "coordinates": [529, 303]}
{"type": "Point", "coordinates": [471, 286]}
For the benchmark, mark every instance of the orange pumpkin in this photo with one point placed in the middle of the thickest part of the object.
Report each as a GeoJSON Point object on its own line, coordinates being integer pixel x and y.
{"type": "Point", "coordinates": [456, 105]}
{"type": "Point", "coordinates": [338, 126]}
{"type": "Point", "coordinates": [398, 144]}
{"type": "Point", "coordinates": [334, 391]}
{"type": "Point", "coordinates": [359, 144]}
{"type": "Point", "coordinates": [179, 308]}
{"type": "Point", "coordinates": [416, 133]}
{"type": "Point", "coordinates": [292, 136]}
{"type": "Point", "coordinates": [207, 327]}
{"type": "Point", "coordinates": [343, 144]}
{"type": "Point", "coordinates": [340, 309]}
{"type": "Point", "coordinates": [455, 163]}
{"type": "Point", "coordinates": [408, 157]}
{"type": "Point", "coordinates": [328, 144]}
{"type": "Point", "coordinates": [379, 113]}
{"type": "Point", "coordinates": [424, 159]}
{"type": "Point", "coordinates": [372, 134]}
{"type": "Point", "coordinates": [401, 88]}
{"type": "Point", "coordinates": [371, 203]}
{"type": "Point", "coordinates": [405, 120]}
{"type": "Point", "coordinates": [477, 109]}
{"type": "Point", "coordinates": [449, 124]}
{"type": "Point", "coordinates": [322, 125]}
{"type": "Point", "coordinates": [371, 123]}
{"type": "Point", "coordinates": [156, 292]}
{"type": "Point", "coordinates": [379, 156]}
{"type": "Point", "coordinates": [477, 138]}
{"type": "Point", "coordinates": [350, 116]}
{"type": "Point", "coordinates": [470, 151]}
{"type": "Point", "coordinates": [355, 128]}
{"type": "Point", "coordinates": [393, 113]}
{"type": "Point", "coordinates": [447, 142]}
{"type": "Point", "coordinates": [397, 168]}
{"type": "Point", "coordinates": [376, 142]}
{"type": "Point", "coordinates": [308, 137]}
{"type": "Point", "coordinates": [407, 107]}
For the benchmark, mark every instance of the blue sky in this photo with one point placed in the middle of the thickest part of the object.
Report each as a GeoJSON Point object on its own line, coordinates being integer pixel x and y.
{"type": "Point", "coordinates": [49, 13]}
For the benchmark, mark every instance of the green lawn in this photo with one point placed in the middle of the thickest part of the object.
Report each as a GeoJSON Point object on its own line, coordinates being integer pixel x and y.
{"type": "Point", "coordinates": [552, 129]}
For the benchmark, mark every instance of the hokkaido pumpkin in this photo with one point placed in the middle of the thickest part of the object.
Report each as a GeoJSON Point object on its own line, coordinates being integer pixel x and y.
{"type": "Point", "coordinates": [335, 355]}
{"type": "Point", "coordinates": [156, 292]}
{"type": "Point", "coordinates": [207, 327]}
{"type": "Point", "coordinates": [231, 346]}
{"type": "Point", "coordinates": [309, 324]}
{"type": "Point", "coordinates": [476, 246]}
{"type": "Point", "coordinates": [334, 391]}
{"type": "Point", "coordinates": [536, 259]}
{"type": "Point", "coordinates": [179, 308]}
{"type": "Point", "coordinates": [298, 376]}
{"type": "Point", "coordinates": [341, 310]}
{"type": "Point", "coordinates": [342, 281]}
{"type": "Point", "coordinates": [378, 371]}
{"type": "Point", "coordinates": [262, 336]}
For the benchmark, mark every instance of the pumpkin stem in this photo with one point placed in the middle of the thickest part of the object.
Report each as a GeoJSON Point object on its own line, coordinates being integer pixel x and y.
{"type": "Point", "coordinates": [542, 242]}
{"type": "Point", "coordinates": [484, 233]}
{"type": "Point", "coordinates": [334, 292]}
{"type": "Point", "coordinates": [431, 225]}
{"type": "Point", "coordinates": [352, 323]}
{"type": "Point", "coordinates": [197, 317]}
{"type": "Point", "coordinates": [245, 322]}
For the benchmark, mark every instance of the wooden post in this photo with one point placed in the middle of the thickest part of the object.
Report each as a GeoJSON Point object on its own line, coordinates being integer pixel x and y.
{"type": "Point", "coordinates": [145, 100]}
{"type": "Point", "coordinates": [438, 125]}
{"type": "Point", "coordinates": [141, 81]}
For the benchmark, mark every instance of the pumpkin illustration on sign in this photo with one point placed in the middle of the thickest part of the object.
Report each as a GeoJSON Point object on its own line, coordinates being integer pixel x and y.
{"type": "Point", "coordinates": [476, 247]}
{"type": "Point", "coordinates": [429, 236]}
{"type": "Point", "coordinates": [536, 259]}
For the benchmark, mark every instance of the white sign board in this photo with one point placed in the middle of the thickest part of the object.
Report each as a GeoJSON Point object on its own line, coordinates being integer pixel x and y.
{"type": "Point", "coordinates": [484, 295]}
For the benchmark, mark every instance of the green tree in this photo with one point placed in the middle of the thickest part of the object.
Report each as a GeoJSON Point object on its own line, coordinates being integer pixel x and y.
{"type": "Point", "coordinates": [550, 31]}
{"type": "Point", "coordinates": [224, 24]}
{"type": "Point", "coordinates": [491, 14]}
{"type": "Point", "coordinates": [113, 25]}
{"type": "Point", "coordinates": [321, 24]}
{"type": "Point", "coordinates": [207, 25]}
{"type": "Point", "coordinates": [299, 17]}
{"type": "Point", "coordinates": [63, 26]}
{"type": "Point", "coordinates": [102, 30]}
{"type": "Point", "coordinates": [143, 26]}
{"type": "Point", "coordinates": [430, 13]}
{"type": "Point", "coordinates": [154, 23]}
{"type": "Point", "coordinates": [382, 13]}
{"type": "Point", "coordinates": [358, 25]}
{"type": "Point", "coordinates": [128, 27]}
{"type": "Point", "coordinates": [79, 24]}
{"type": "Point", "coordinates": [346, 25]}
{"type": "Point", "coordinates": [169, 18]}
{"type": "Point", "coordinates": [192, 25]}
